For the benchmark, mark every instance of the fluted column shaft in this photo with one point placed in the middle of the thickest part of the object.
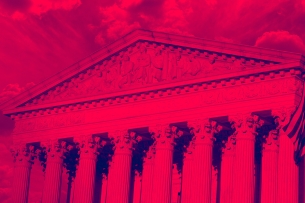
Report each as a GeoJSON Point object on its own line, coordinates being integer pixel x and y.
{"type": "Point", "coordinates": [86, 171]}
{"type": "Point", "coordinates": [148, 176]}
{"type": "Point", "coordinates": [53, 174]}
{"type": "Point", "coordinates": [104, 188]}
{"type": "Point", "coordinates": [227, 171]}
{"type": "Point", "coordinates": [120, 175]}
{"type": "Point", "coordinates": [137, 187]}
{"type": "Point", "coordinates": [23, 157]}
{"type": "Point", "coordinates": [244, 162]}
{"type": "Point", "coordinates": [203, 131]}
{"type": "Point", "coordinates": [203, 171]}
{"type": "Point", "coordinates": [187, 176]}
{"type": "Point", "coordinates": [162, 182]}
{"type": "Point", "coordinates": [270, 169]}
{"type": "Point", "coordinates": [288, 174]}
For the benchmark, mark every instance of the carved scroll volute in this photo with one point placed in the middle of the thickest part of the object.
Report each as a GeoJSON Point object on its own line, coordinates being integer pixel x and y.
{"type": "Point", "coordinates": [124, 141]}
{"type": "Point", "coordinates": [54, 150]}
{"type": "Point", "coordinates": [88, 146]}
{"type": "Point", "coordinates": [23, 154]}
{"type": "Point", "coordinates": [164, 135]}
{"type": "Point", "coordinates": [150, 154]}
{"type": "Point", "coordinates": [229, 145]}
{"type": "Point", "coordinates": [271, 141]}
{"type": "Point", "coordinates": [188, 151]}
{"type": "Point", "coordinates": [246, 125]}
{"type": "Point", "coordinates": [203, 131]}
{"type": "Point", "coordinates": [282, 116]}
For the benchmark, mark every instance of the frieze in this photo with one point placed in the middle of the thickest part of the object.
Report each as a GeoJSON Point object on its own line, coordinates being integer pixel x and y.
{"type": "Point", "coordinates": [49, 122]}
{"type": "Point", "coordinates": [145, 64]}
{"type": "Point", "coordinates": [252, 91]}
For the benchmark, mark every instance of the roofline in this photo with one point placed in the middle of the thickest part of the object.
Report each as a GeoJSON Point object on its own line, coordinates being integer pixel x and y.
{"type": "Point", "coordinates": [160, 37]}
{"type": "Point", "coordinates": [213, 78]}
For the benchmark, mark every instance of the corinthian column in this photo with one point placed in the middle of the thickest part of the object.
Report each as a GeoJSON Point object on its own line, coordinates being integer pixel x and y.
{"type": "Point", "coordinates": [120, 174]}
{"type": "Point", "coordinates": [85, 174]}
{"type": "Point", "coordinates": [164, 136]}
{"type": "Point", "coordinates": [203, 131]}
{"type": "Point", "coordinates": [288, 171]}
{"type": "Point", "coordinates": [269, 168]}
{"type": "Point", "coordinates": [148, 175]}
{"type": "Point", "coordinates": [54, 167]}
{"type": "Point", "coordinates": [245, 126]}
{"type": "Point", "coordinates": [187, 174]}
{"type": "Point", "coordinates": [23, 159]}
{"type": "Point", "coordinates": [227, 170]}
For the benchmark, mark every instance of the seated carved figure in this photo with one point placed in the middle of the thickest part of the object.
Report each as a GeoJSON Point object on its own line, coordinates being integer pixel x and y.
{"type": "Point", "coordinates": [192, 67]}
{"type": "Point", "coordinates": [111, 76]}
{"type": "Point", "coordinates": [126, 71]}
{"type": "Point", "coordinates": [143, 67]}
{"type": "Point", "coordinates": [177, 66]}
{"type": "Point", "coordinates": [158, 62]}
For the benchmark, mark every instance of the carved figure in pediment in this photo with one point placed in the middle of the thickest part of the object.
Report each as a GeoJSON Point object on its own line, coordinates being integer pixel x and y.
{"type": "Point", "coordinates": [177, 66]}
{"type": "Point", "coordinates": [218, 65]}
{"type": "Point", "coordinates": [209, 65]}
{"type": "Point", "coordinates": [126, 71]}
{"type": "Point", "coordinates": [238, 64]}
{"type": "Point", "coordinates": [158, 63]}
{"type": "Point", "coordinates": [192, 66]}
{"type": "Point", "coordinates": [111, 76]}
{"type": "Point", "coordinates": [142, 71]}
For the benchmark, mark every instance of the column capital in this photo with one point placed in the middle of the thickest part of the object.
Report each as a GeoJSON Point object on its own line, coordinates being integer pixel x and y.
{"type": "Point", "coordinates": [88, 146]}
{"type": "Point", "coordinates": [124, 141]}
{"type": "Point", "coordinates": [149, 154]}
{"type": "Point", "coordinates": [203, 131]}
{"type": "Point", "coordinates": [271, 142]}
{"type": "Point", "coordinates": [23, 154]}
{"type": "Point", "coordinates": [54, 150]}
{"type": "Point", "coordinates": [164, 135]}
{"type": "Point", "coordinates": [282, 116]}
{"type": "Point", "coordinates": [229, 145]}
{"type": "Point", "coordinates": [246, 125]}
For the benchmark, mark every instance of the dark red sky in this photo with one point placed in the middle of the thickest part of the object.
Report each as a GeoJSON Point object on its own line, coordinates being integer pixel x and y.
{"type": "Point", "coordinates": [41, 37]}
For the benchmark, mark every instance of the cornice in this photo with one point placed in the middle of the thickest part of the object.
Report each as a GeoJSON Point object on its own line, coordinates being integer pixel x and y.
{"type": "Point", "coordinates": [158, 37]}
{"type": "Point", "coordinates": [163, 91]}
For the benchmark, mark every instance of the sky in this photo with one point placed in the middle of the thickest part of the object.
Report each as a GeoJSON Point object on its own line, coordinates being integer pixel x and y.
{"type": "Point", "coordinates": [38, 38]}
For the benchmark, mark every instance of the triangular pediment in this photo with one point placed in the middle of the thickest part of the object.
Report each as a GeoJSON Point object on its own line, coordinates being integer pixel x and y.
{"type": "Point", "coordinates": [144, 60]}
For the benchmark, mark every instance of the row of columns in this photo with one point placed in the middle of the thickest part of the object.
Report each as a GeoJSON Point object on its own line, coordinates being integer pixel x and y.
{"type": "Point", "coordinates": [279, 172]}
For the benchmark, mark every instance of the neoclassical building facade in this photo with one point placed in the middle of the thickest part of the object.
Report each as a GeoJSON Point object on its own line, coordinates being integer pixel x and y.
{"type": "Point", "coordinates": [161, 118]}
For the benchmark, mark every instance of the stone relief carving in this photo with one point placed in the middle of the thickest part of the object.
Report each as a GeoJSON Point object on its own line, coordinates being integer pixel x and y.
{"type": "Point", "coordinates": [209, 97]}
{"type": "Point", "coordinates": [251, 91]}
{"type": "Point", "coordinates": [49, 122]}
{"type": "Point", "coordinates": [143, 64]}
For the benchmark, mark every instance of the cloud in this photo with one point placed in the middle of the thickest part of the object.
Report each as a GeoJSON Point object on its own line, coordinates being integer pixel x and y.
{"type": "Point", "coordinates": [129, 3]}
{"type": "Point", "coordinates": [116, 22]}
{"type": "Point", "coordinates": [42, 6]}
{"type": "Point", "coordinates": [18, 9]}
{"type": "Point", "coordinates": [12, 90]}
{"type": "Point", "coordinates": [282, 40]}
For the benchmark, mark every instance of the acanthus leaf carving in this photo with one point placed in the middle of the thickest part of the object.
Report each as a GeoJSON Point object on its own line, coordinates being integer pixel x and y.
{"type": "Point", "coordinates": [88, 146]}
{"type": "Point", "coordinates": [164, 135]}
{"type": "Point", "coordinates": [23, 154]}
{"type": "Point", "coordinates": [204, 131]}
{"type": "Point", "coordinates": [54, 150]}
{"type": "Point", "coordinates": [271, 142]}
{"type": "Point", "coordinates": [124, 141]}
{"type": "Point", "coordinates": [245, 125]}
